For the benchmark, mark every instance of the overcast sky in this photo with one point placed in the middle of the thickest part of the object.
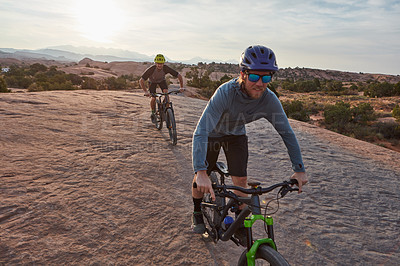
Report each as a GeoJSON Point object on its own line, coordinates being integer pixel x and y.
{"type": "Point", "coordinates": [346, 35]}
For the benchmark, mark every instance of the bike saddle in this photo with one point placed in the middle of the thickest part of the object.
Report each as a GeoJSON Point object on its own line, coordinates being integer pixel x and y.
{"type": "Point", "coordinates": [221, 168]}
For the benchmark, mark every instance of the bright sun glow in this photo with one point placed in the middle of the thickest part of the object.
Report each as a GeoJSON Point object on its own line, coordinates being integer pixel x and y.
{"type": "Point", "coordinates": [99, 20]}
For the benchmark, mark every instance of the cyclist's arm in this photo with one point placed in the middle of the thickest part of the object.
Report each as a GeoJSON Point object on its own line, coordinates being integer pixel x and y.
{"type": "Point", "coordinates": [280, 121]}
{"type": "Point", "coordinates": [277, 117]}
{"type": "Point", "coordinates": [146, 74]}
{"type": "Point", "coordinates": [141, 83]}
{"type": "Point", "coordinates": [207, 122]}
{"type": "Point", "coordinates": [180, 81]}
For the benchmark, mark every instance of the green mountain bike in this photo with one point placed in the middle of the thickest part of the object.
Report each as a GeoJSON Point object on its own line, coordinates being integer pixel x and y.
{"type": "Point", "coordinates": [258, 251]}
{"type": "Point", "coordinates": [165, 112]}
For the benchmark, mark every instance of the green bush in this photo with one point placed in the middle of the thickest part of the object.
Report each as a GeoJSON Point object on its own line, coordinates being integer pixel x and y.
{"type": "Point", "coordinates": [396, 89]}
{"type": "Point", "coordinates": [3, 85]}
{"type": "Point", "coordinates": [89, 84]}
{"type": "Point", "coordinates": [363, 113]}
{"type": "Point", "coordinates": [376, 89]}
{"type": "Point", "coordinates": [396, 112]}
{"type": "Point", "coordinates": [337, 115]}
{"type": "Point", "coordinates": [388, 130]}
{"type": "Point", "coordinates": [296, 110]}
{"type": "Point", "coordinates": [350, 121]}
{"type": "Point", "coordinates": [302, 85]}
{"type": "Point", "coordinates": [116, 83]}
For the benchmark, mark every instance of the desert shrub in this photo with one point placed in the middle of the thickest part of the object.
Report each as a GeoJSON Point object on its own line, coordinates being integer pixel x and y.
{"type": "Point", "coordinates": [116, 83]}
{"type": "Point", "coordinates": [396, 89]}
{"type": "Point", "coordinates": [200, 78]}
{"type": "Point", "coordinates": [296, 110]}
{"type": "Point", "coordinates": [75, 79]}
{"type": "Point", "coordinates": [3, 85]}
{"type": "Point", "coordinates": [22, 82]}
{"type": "Point", "coordinates": [89, 84]}
{"type": "Point", "coordinates": [363, 113]}
{"type": "Point", "coordinates": [396, 112]}
{"type": "Point", "coordinates": [337, 115]}
{"type": "Point", "coordinates": [35, 68]}
{"type": "Point", "coordinates": [334, 86]}
{"type": "Point", "coordinates": [388, 130]}
{"type": "Point", "coordinates": [313, 107]}
{"type": "Point", "coordinates": [302, 85]}
{"type": "Point", "coordinates": [376, 89]}
{"type": "Point", "coordinates": [35, 87]}
{"type": "Point", "coordinates": [350, 121]}
{"type": "Point", "coordinates": [360, 131]}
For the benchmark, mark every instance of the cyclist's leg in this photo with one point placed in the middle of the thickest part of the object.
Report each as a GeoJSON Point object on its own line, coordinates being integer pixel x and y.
{"type": "Point", "coordinates": [236, 152]}
{"type": "Point", "coordinates": [213, 149]}
{"type": "Point", "coordinates": [164, 88]}
{"type": "Point", "coordinates": [152, 89]}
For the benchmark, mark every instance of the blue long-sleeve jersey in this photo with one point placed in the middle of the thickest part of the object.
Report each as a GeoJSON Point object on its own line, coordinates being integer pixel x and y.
{"type": "Point", "coordinates": [227, 112]}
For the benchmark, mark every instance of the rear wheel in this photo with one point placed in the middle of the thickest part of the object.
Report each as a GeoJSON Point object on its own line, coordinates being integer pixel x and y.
{"type": "Point", "coordinates": [171, 125]}
{"type": "Point", "coordinates": [265, 256]}
{"type": "Point", "coordinates": [210, 210]}
{"type": "Point", "coordinates": [159, 117]}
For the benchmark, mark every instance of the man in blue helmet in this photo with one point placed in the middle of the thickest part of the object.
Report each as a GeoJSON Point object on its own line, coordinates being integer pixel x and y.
{"type": "Point", "coordinates": [222, 124]}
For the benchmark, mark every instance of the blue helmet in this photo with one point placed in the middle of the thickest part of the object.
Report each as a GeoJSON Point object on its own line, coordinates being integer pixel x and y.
{"type": "Point", "coordinates": [258, 57]}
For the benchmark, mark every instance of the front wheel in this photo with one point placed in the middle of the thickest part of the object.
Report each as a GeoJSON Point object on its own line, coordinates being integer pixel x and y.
{"type": "Point", "coordinates": [159, 117]}
{"type": "Point", "coordinates": [171, 125]}
{"type": "Point", "coordinates": [211, 214]}
{"type": "Point", "coordinates": [265, 256]}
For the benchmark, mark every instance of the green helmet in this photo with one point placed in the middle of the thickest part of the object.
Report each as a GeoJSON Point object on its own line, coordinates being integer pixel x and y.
{"type": "Point", "coordinates": [159, 59]}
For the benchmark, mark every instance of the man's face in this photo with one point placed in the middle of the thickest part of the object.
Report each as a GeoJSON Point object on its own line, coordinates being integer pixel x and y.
{"type": "Point", "coordinates": [159, 66]}
{"type": "Point", "coordinates": [255, 89]}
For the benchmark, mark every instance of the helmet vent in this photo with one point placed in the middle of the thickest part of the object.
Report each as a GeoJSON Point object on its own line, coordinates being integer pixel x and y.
{"type": "Point", "coordinates": [262, 51]}
{"type": "Point", "coordinates": [254, 55]}
{"type": "Point", "coordinates": [270, 55]}
{"type": "Point", "coordinates": [247, 61]}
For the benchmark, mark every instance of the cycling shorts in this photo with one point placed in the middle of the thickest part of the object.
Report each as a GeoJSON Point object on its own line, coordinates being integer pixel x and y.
{"type": "Point", "coordinates": [236, 152]}
{"type": "Point", "coordinates": [153, 86]}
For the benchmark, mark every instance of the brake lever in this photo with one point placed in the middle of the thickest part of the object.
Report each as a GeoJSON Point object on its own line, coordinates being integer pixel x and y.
{"type": "Point", "coordinates": [284, 190]}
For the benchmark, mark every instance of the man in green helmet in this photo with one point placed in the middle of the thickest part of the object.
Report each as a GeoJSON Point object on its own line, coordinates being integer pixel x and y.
{"type": "Point", "coordinates": [156, 75]}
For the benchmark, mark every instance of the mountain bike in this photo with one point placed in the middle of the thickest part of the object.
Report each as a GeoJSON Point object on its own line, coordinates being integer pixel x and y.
{"type": "Point", "coordinates": [165, 112]}
{"type": "Point", "coordinates": [218, 226]}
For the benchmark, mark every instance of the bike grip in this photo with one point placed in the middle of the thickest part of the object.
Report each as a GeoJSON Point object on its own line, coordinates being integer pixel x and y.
{"type": "Point", "coordinates": [194, 185]}
{"type": "Point", "coordinates": [293, 181]}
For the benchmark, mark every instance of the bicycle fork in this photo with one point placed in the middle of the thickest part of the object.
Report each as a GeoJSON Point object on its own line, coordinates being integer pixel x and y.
{"type": "Point", "coordinates": [252, 247]}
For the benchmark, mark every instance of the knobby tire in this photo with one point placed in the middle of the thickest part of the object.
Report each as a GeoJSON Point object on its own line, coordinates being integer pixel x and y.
{"type": "Point", "coordinates": [171, 124]}
{"type": "Point", "coordinates": [159, 117]}
{"type": "Point", "coordinates": [265, 256]}
{"type": "Point", "coordinates": [211, 215]}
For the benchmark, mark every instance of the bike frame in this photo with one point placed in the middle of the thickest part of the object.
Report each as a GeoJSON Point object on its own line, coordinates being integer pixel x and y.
{"type": "Point", "coordinates": [253, 207]}
{"type": "Point", "coordinates": [163, 103]}
{"type": "Point", "coordinates": [243, 218]}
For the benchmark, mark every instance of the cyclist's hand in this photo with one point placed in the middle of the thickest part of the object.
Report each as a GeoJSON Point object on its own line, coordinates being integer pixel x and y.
{"type": "Point", "coordinates": [301, 178]}
{"type": "Point", "coordinates": [147, 94]}
{"type": "Point", "coordinates": [204, 183]}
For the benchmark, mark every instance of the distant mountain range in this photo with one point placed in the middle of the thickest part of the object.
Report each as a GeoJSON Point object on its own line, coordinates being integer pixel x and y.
{"type": "Point", "coordinates": [69, 53]}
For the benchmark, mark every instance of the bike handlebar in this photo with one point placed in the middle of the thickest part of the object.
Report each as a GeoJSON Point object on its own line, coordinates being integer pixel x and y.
{"type": "Point", "coordinates": [286, 186]}
{"type": "Point", "coordinates": [158, 94]}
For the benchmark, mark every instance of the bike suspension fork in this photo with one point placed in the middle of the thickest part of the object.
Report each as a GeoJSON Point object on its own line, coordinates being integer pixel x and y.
{"type": "Point", "coordinates": [249, 233]}
{"type": "Point", "coordinates": [270, 227]}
